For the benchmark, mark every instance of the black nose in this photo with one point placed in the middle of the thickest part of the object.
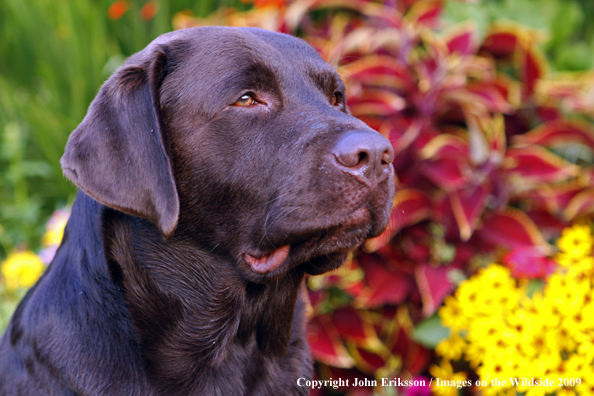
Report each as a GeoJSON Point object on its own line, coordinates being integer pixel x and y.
{"type": "Point", "coordinates": [366, 155]}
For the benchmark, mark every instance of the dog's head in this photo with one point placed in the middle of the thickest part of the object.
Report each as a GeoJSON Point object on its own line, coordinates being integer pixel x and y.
{"type": "Point", "coordinates": [239, 140]}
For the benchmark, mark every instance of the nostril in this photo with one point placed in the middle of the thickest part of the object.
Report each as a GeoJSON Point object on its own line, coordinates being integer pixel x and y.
{"type": "Point", "coordinates": [365, 154]}
{"type": "Point", "coordinates": [388, 156]}
{"type": "Point", "coordinates": [362, 157]}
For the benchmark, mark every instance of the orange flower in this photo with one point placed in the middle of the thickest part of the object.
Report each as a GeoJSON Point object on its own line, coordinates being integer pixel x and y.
{"type": "Point", "coordinates": [117, 9]}
{"type": "Point", "coordinates": [269, 3]}
{"type": "Point", "coordinates": [148, 11]}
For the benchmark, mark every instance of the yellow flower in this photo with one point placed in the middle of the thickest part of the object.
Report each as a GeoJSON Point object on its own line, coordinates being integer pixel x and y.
{"type": "Point", "coordinates": [506, 333]}
{"type": "Point", "coordinates": [467, 296]}
{"type": "Point", "coordinates": [541, 343]}
{"type": "Point", "coordinates": [475, 353]}
{"type": "Point", "coordinates": [576, 241]}
{"type": "Point", "coordinates": [565, 392]}
{"type": "Point", "coordinates": [452, 315]}
{"type": "Point", "coordinates": [540, 307]}
{"type": "Point", "coordinates": [451, 348]}
{"type": "Point", "coordinates": [445, 373]}
{"type": "Point", "coordinates": [496, 369]}
{"type": "Point", "coordinates": [496, 278]}
{"type": "Point", "coordinates": [565, 299]}
{"type": "Point", "coordinates": [568, 260]}
{"type": "Point", "coordinates": [577, 367]}
{"type": "Point", "coordinates": [586, 344]}
{"type": "Point", "coordinates": [482, 329]}
{"type": "Point", "coordinates": [22, 269]}
{"type": "Point", "coordinates": [55, 228]}
{"type": "Point", "coordinates": [585, 388]}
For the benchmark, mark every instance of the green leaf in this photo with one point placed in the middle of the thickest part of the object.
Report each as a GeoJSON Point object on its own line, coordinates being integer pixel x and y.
{"type": "Point", "coordinates": [577, 56]}
{"type": "Point", "coordinates": [457, 12]}
{"type": "Point", "coordinates": [565, 23]}
{"type": "Point", "coordinates": [430, 332]}
{"type": "Point", "coordinates": [533, 286]}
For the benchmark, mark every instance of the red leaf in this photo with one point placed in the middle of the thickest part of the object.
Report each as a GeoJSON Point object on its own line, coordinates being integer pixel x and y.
{"type": "Point", "coordinates": [367, 361]}
{"type": "Point", "coordinates": [549, 226]}
{"type": "Point", "coordinates": [446, 161]}
{"type": "Point", "coordinates": [533, 67]}
{"type": "Point", "coordinates": [375, 102]}
{"type": "Point", "coordinates": [434, 285]}
{"type": "Point", "coordinates": [528, 262]}
{"type": "Point", "coordinates": [384, 285]}
{"type": "Point", "coordinates": [444, 146]}
{"type": "Point", "coordinates": [490, 96]}
{"type": "Point", "coordinates": [355, 289]}
{"type": "Point", "coordinates": [535, 164]}
{"type": "Point", "coordinates": [401, 134]}
{"type": "Point", "coordinates": [556, 197]}
{"type": "Point", "coordinates": [513, 228]}
{"type": "Point", "coordinates": [461, 40]}
{"type": "Point", "coordinates": [468, 205]}
{"type": "Point", "coordinates": [557, 132]}
{"type": "Point", "coordinates": [410, 207]}
{"type": "Point", "coordinates": [323, 339]}
{"type": "Point", "coordinates": [317, 299]}
{"type": "Point", "coordinates": [580, 205]}
{"type": "Point", "coordinates": [416, 362]}
{"type": "Point", "coordinates": [500, 43]}
{"type": "Point", "coordinates": [444, 215]}
{"type": "Point", "coordinates": [400, 343]}
{"type": "Point", "coordinates": [355, 326]}
{"type": "Point", "coordinates": [447, 173]}
{"type": "Point", "coordinates": [387, 15]}
{"type": "Point", "coordinates": [508, 88]}
{"type": "Point", "coordinates": [380, 71]}
{"type": "Point", "coordinates": [548, 113]}
{"type": "Point", "coordinates": [425, 13]}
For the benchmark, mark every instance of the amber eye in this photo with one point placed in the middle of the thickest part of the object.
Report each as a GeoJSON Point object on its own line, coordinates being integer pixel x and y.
{"type": "Point", "coordinates": [245, 100]}
{"type": "Point", "coordinates": [337, 100]}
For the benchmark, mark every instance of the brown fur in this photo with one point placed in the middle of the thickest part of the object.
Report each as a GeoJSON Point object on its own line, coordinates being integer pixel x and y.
{"type": "Point", "coordinates": [150, 292]}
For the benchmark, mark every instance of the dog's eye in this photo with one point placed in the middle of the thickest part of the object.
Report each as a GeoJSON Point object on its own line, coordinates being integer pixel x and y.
{"type": "Point", "coordinates": [245, 100]}
{"type": "Point", "coordinates": [338, 99]}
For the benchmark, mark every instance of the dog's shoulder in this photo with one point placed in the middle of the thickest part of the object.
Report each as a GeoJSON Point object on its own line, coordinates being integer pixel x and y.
{"type": "Point", "coordinates": [72, 331]}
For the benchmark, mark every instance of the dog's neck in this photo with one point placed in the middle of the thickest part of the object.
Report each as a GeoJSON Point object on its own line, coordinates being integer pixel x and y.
{"type": "Point", "coordinates": [191, 309]}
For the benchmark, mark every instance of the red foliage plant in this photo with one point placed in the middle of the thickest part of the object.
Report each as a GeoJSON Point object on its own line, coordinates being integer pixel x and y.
{"type": "Point", "coordinates": [493, 157]}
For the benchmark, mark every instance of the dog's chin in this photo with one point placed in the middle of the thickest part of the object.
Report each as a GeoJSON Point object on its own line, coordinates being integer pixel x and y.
{"type": "Point", "coordinates": [322, 264]}
{"type": "Point", "coordinates": [313, 252]}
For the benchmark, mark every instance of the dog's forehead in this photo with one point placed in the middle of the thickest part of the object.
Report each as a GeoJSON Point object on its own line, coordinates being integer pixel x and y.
{"type": "Point", "coordinates": [217, 39]}
{"type": "Point", "coordinates": [213, 64]}
{"type": "Point", "coordinates": [227, 48]}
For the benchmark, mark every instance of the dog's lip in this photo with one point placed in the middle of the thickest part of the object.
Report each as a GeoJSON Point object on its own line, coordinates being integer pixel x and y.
{"type": "Point", "coordinates": [266, 260]}
{"type": "Point", "coordinates": [269, 262]}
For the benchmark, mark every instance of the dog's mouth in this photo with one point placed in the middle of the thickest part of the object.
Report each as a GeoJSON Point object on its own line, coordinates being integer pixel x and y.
{"type": "Point", "coordinates": [321, 249]}
{"type": "Point", "coordinates": [269, 262]}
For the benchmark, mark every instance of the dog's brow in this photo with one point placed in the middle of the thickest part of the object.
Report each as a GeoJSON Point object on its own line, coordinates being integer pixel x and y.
{"type": "Point", "coordinates": [326, 80]}
{"type": "Point", "coordinates": [256, 76]}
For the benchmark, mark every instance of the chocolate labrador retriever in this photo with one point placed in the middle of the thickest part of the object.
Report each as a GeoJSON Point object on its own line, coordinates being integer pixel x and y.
{"type": "Point", "coordinates": [217, 167]}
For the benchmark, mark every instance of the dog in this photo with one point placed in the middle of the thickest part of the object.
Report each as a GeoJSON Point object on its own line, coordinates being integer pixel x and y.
{"type": "Point", "coordinates": [216, 168]}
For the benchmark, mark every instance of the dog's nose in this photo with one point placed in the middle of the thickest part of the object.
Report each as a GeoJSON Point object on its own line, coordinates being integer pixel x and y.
{"type": "Point", "coordinates": [364, 154]}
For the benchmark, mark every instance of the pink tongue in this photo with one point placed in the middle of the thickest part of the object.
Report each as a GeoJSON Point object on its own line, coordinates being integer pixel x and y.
{"type": "Point", "coordinates": [270, 262]}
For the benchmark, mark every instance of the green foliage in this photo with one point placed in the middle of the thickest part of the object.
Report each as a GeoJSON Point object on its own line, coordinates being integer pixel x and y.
{"type": "Point", "coordinates": [569, 36]}
{"type": "Point", "coordinates": [430, 332]}
{"type": "Point", "coordinates": [10, 300]}
{"type": "Point", "coordinates": [54, 56]}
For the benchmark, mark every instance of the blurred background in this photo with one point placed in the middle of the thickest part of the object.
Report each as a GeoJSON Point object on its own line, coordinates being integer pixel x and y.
{"type": "Point", "coordinates": [492, 99]}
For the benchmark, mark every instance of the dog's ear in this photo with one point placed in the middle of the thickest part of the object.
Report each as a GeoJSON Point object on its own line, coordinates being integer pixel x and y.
{"type": "Point", "coordinates": [119, 154]}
